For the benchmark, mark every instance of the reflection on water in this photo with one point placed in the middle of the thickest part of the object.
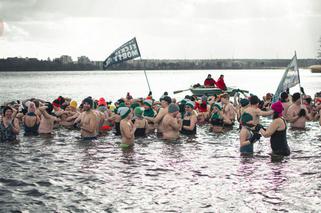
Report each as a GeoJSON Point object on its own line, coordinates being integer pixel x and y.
{"type": "Point", "coordinates": [202, 174]}
{"type": "Point", "coordinates": [205, 173]}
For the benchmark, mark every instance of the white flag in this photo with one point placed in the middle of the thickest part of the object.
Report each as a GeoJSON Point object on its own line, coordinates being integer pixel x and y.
{"type": "Point", "coordinates": [290, 78]}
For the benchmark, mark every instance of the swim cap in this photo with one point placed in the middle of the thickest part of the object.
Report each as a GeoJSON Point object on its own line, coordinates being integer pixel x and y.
{"type": "Point", "coordinates": [173, 108]}
{"type": "Point", "coordinates": [190, 104]}
{"type": "Point", "coordinates": [148, 102]}
{"type": "Point", "coordinates": [89, 101]}
{"type": "Point", "coordinates": [246, 117]}
{"type": "Point", "coordinates": [123, 112]}
{"type": "Point", "coordinates": [244, 102]}
{"type": "Point", "coordinates": [277, 107]}
{"type": "Point", "coordinates": [138, 112]}
{"type": "Point", "coordinates": [73, 104]}
{"type": "Point", "coordinates": [112, 107]}
{"type": "Point", "coordinates": [102, 102]}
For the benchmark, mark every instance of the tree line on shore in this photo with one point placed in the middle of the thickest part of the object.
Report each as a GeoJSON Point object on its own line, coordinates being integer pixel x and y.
{"type": "Point", "coordinates": [33, 64]}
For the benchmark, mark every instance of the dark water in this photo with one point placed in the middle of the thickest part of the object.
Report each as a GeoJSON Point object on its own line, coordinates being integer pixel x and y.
{"type": "Point", "coordinates": [202, 174]}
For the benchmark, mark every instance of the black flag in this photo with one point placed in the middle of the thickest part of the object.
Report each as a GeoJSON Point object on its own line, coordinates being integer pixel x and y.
{"type": "Point", "coordinates": [127, 51]}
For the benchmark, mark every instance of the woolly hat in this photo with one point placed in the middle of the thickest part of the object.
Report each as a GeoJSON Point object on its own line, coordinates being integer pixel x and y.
{"type": "Point", "coordinates": [123, 112]}
{"type": "Point", "coordinates": [218, 106]}
{"type": "Point", "coordinates": [148, 102]}
{"type": "Point", "coordinates": [138, 112]}
{"type": "Point", "coordinates": [204, 98]}
{"type": "Point", "coordinates": [244, 102]}
{"type": "Point", "coordinates": [246, 117]}
{"type": "Point", "coordinates": [89, 101]}
{"type": "Point", "coordinates": [277, 107]}
{"type": "Point", "coordinates": [167, 99]}
{"type": "Point", "coordinates": [173, 108]}
{"type": "Point", "coordinates": [134, 105]}
{"type": "Point", "coordinates": [56, 103]}
{"type": "Point", "coordinates": [190, 104]}
{"type": "Point", "coordinates": [73, 104]}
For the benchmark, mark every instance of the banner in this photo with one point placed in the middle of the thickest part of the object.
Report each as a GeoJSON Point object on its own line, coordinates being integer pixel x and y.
{"type": "Point", "coordinates": [289, 79]}
{"type": "Point", "coordinates": [127, 51]}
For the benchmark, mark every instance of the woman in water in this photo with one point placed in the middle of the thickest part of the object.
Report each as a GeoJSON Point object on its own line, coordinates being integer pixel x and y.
{"type": "Point", "coordinates": [277, 131]}
{"type": "Point", "coordinates": [189, 119]}
{"type": "Point", "coordinates": [247, 135]}
{"type": "Point", "coordinates": [31, 121]}
{"type": "Point", "coordinates": [9, 126]}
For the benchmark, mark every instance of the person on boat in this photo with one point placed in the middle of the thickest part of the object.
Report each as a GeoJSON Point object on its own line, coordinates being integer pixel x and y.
{"type": "Point", "coordinates": [149, 114]}
{"type": "Point", "coordinates": [189, 119]}
{"type": "Point", "coordinates": [161, 114]}
{"type": "Point", "coordinates": [88, 122]}
{"type": "Point", "coordinates": [47, 119]}
{"type": "Point", "coordinates": [9, 126]}
{"type": "Point", "coordinates": [277, 131]}
{"type": "Point", "coordinates": [31, 121]}
{"type": "Point", "coordinates": [254, 110]}
{"type": "Point", "coordinates": [228, 110]}
{"type": "Point", "coordinates": [220, 83]}
{"type": "Point", "coordinates": [127, 128]}
{"type": "Point", "coordinates": [297, 114]}
{"type": "Point", "coordinates": [248, 135]}
{"type": "Point", "coordinates": [209, 81]}
{"type": "Point", "coordinates": [172, 123]}
{"type": "Point", "coordinates": [140, 122]}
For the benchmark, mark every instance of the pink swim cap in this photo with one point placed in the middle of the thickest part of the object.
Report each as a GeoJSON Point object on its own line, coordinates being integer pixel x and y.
{"type": "Point", "coordinates": [277, 107]}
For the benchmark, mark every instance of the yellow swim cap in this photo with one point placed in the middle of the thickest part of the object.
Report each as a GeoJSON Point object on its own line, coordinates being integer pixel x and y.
{"type": "Point", "coordinates": [112, 107]}
{"type": "Point", "coordinates": [73, 104]}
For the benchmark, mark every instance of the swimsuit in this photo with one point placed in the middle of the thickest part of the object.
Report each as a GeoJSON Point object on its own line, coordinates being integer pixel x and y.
{"type": "Point", "coordinates": [279, 142]}
{"type": "Point", "coordinates": [6, 133]}
{"type": "Point", "coordinates": [33, 130]}
{"type": "Point", "coordinates": [186, 131]}
{"type": "Point", "coordinates": [247, 149]}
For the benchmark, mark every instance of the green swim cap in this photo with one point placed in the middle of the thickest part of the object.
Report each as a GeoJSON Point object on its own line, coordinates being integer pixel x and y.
{"type": "Point", "coordinates": [246, 117]}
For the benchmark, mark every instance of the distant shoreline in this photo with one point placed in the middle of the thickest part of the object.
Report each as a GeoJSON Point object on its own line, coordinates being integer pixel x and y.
{"type": "Point", "coordinates": [29, 65]}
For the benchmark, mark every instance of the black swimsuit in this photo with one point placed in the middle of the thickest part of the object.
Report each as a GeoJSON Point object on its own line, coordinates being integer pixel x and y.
{"type": "Point", "coordinates": [33, 130]}
{"type": "Point", "coordinates": [186, 131]}
{"type": "Point", "coordinates": [140, 132]}
{"type": "Point", "coordinates": [279, 142]}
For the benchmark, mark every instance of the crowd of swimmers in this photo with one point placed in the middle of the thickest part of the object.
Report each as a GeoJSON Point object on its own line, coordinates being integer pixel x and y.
{"type": "Point", "coordinates": [130, 118]}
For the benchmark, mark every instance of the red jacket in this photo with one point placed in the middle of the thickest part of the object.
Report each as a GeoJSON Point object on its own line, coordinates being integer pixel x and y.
{"type": "Point", "coordinates": [221, 84]}
{"type": "Point", "coordinates": [209, 82]}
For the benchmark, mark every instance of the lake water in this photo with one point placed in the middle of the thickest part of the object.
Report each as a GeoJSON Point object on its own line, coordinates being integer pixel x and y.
{"type": "Point", "coordinates": [201, 174]}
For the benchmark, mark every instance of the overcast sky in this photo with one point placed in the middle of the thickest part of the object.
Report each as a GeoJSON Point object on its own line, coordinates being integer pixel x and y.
{"type": "Point", "coordinates": [174, 29]}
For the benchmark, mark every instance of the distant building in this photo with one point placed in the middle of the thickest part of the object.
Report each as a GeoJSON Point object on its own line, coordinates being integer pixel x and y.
{"type": "Point", "coordinates": [64, 59]}
{"type": "Point", "coordinates": [83, 60]}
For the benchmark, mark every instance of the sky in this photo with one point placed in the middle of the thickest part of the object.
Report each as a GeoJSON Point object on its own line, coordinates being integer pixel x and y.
{"type": "Point", "coordinates": [164, 29]}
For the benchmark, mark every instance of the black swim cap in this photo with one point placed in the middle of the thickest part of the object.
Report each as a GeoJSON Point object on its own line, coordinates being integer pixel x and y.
{"type": "Point", "coordinates": [296, 96]}
{"type": "Point", "coordinates": [254, 100]}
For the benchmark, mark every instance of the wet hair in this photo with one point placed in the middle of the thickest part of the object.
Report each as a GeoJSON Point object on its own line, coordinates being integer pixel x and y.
{"type": "Point", "coordinates": [167, 99]}
{"type": "Point", "coordinates": [254, 100]}
{"type": "Point", "coordinates": [275, 115]}
{"type": "Point", "coordinates": [5, 109]}
{"type": "Point", "coordinates": [296, 96]}
{"type": "Point", "coordinates": [225, 96]}
{"type": "Point", "coordinates": [36, 103]}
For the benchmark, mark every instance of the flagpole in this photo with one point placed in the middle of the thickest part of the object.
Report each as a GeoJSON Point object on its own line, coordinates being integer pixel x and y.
{"type": "Point", "coordinates": [146, 75]}
{"type": "Point", "coordinates": [299, 77]}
